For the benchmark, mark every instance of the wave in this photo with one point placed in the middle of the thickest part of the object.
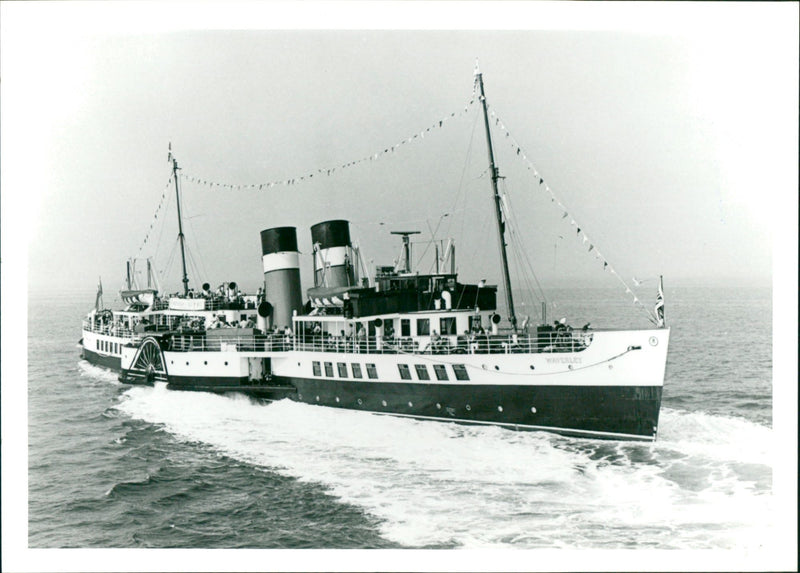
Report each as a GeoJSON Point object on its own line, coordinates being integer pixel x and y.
{"type": "Point", "coordinates": [87, 370]}
{"type": "Point", "coordinates": [705, 483]}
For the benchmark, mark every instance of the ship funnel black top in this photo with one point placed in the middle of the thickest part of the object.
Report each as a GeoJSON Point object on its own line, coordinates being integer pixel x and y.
{"type": "Point", "coordinates": [331, 234]}
{"type": "Point", "coordinates": [281, 262]}
{"type": "Point", "coordinates": [333, 255]}
{"type": "Point", "coordinates": [278, 240]}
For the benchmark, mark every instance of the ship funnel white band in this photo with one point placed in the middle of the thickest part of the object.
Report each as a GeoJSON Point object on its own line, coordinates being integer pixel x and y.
{"type": "Point", "coordinates": [281, 261]}
{"type": "Point", "coordinates": [332, 257]}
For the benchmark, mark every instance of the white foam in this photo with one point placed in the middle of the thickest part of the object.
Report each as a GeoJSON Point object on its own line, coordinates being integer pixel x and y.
{"type": "Point", "coordinates": [96, 372]}
{"type": "Point", "coordinates": [436, 483]}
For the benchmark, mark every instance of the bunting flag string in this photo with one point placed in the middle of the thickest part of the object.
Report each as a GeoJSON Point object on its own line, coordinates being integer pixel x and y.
{"type": "Point", "coordinates": [520, 152]}
{"type": "Point", "coordinates": [328, 171]}
{"type": "Point", "coordinates": [155, 216]}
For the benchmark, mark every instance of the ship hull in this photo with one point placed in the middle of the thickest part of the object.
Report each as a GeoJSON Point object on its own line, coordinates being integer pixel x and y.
{"type": "Point", "coordinates": [101, 360]}
{"type": "Point", "coordinates": [611, 390]}
{"type": "Point", "coordinates": [595, 411]}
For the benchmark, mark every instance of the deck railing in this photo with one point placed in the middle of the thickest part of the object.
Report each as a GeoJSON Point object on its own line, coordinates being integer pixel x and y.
{"type": "Point", "coordinates": [122, 332]}
{"type": "Point", "coordinates": [500, 344]}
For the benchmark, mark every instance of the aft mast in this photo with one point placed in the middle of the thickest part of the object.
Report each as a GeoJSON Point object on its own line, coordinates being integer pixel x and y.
{"type": "Point", "coordinates": [180, 224]}
{"type": "Point", "coordinates": [512, 317]}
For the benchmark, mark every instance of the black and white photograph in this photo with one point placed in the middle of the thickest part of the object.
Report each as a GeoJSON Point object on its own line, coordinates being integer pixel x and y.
{"type": "Point", "coordinates": [399, 286]}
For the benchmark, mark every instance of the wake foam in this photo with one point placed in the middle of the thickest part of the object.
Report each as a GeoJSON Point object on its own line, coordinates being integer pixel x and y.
{"type": "Point", "coordinates": [87, 370]}
{"type": "Point", "coordinates": [433, 483]}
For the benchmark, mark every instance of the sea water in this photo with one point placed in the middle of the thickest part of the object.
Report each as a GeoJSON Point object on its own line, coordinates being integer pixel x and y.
{"type": "Point", "coordinates": [113, 466]}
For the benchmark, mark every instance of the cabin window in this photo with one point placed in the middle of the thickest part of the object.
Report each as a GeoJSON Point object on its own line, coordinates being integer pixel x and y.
{"type": "Point", "coordinates": [372, 372]}
{"type": "Point", "coordinates": [448, 325]}
{"type": "Point", "coordinates": [423, 326]}
{"type": "Point", "coordinates": [441, 371]}
{"type": "Point", "coordinates": [329, 369]}
{"type": "Point", "coordinates": [475, 322]}
{"type": "Point", "coordinates": [405, 373]}
{"type": "Point", "coordinates": [422, 372]}
{"type": "Point", "coordinates": [461, 372]}
{"type": "Point", "coordinates": [405, 327]}
{"type": "Point", "coordinates": [342, 369]}
{"type": "Point", "coordinates": [317, 368]}
{"type": "Point", "coordinates": [356, 370]}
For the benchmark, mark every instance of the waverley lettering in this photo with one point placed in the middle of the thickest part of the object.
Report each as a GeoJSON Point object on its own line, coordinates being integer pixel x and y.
{"type": "Point", "coordinates": [564, 360]}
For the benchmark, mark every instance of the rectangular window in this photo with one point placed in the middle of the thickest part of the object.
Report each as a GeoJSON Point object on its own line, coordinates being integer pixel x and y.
{"type": "Point", "coordinates": [372, 372]}
{"type": "Point", "coordinates": [317, 368]}
{"type": "Point", "coordinates": [97, 345]}
{"type": "Point", "coordinates": [475, 322]}
{"type": "Point", "coordinates": [405, 327]}
{"type": "Point", "coordinates": [422, 372]}
{"type": "Point", "coordinates": [447, 325]}
{"type": "Point", "coordinates": [405, 373]}
{"type": "Point", "coordinates": [329, 369]}
{"type": "Point", "coordinates": [441, 371]}
{"type": "Point", "coordinates": [461, 372]}
{"type": "Point", "coordinates": [356, 370]}
{"type": "Point", "coordinates": [342, 369]}
{"type": "Point", "coordinates": [423, 326]}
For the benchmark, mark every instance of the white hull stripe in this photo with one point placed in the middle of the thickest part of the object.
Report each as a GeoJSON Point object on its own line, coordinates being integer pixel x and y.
{"type": "Point", "coordinates": [588, 433]}
{"type": "Point", "coordinates": [333, 257]}
{"type": "Point", "coordinates": [280, 261]}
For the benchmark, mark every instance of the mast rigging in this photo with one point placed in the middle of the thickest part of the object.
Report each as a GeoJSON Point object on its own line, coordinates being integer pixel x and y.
{"type": "Point", "coordinates": [512, 317]}
{"type": "Point", "coordinates": [180, 224]}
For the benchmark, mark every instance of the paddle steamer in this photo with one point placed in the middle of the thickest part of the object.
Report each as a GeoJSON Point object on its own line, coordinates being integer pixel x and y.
{"type": "Point", "coordinates": [400, 343]}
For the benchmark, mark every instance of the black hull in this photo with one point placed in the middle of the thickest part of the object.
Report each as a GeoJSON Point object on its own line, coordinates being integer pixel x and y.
{"type": "Point", "coordinates": [221, 385]}
{"type": "Point", "coordinates": [110, 362]}
{"type": "Point", "coordinates": [605, 412]}
{"type": "Point", "coordinates": [614, 412]}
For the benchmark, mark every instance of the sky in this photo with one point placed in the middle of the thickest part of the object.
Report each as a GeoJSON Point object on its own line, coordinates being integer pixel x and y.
{"type": "Point", "coordinates": [672, 147]}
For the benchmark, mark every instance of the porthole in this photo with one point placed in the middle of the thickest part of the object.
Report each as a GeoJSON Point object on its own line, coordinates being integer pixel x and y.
{"type": "Point", "coordinates": [359, 401]}
{"type": "Point", "coordinates": [383, 402]}
{"type": "Point", "coordinates": [205, 362]}
{"type": "Point", "coordinates": [468, 407]}
{"type": "Point", "coordinates": [569, 366]}
{"type": "Point", "coordinates": [496, 367]}
{"type": "Point", "coordinates": [499, 408]}
{"type": "Point", "coordinates": [410, 404]}
{"type": "Point", "coordinates": [438, 406]}
{"type": "Point", "coordinates": [226, 363]}
{"type": "Point", "coordinates": [187, 364]}
{"type": "Point", "coordinates": [532, 368]}
{"type": "Point", "coordinates": [337, 399]}
{"type": "Point", "coordinates": [533, 410]}
{"type": "Point", "coordinates": [173, 362]}
{"type": "Point", "coordinates": [298, 364]}
{"type": "Point", "coordinates": [653, 341]}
